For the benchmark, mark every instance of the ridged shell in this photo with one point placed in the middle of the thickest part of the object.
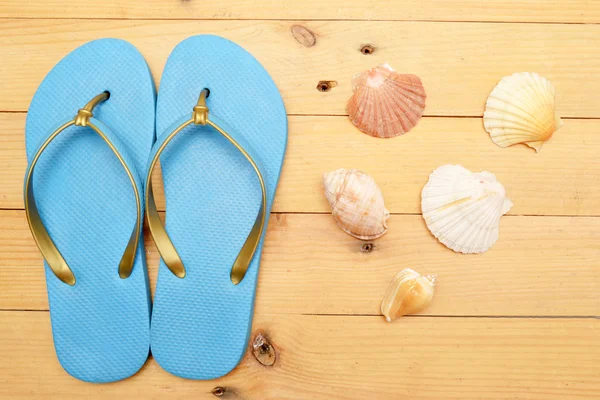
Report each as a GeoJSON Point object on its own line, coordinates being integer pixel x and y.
{"type": "Point", "coordinates": [520, 109]}
{"type": "Point", "coordinates": [408, 293]}
{"type": "Point", "coordinates": [356, 203]}
{"type": "Point", "coordinates": [385, 103]}
{"type": "Point", "coordinates": [462, 209]}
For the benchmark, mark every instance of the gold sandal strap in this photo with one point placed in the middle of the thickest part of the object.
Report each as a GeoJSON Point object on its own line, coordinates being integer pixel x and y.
{"type": "Point", "coordinates": [157, 229]}
{"type": "Point", "coordinates": [49, 251]}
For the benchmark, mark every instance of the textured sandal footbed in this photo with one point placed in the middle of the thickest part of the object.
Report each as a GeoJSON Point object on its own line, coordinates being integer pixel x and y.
{"type": "Point", "coordinates": [201, 323]}
{"type": "Point", "coordinates": [101, 324]}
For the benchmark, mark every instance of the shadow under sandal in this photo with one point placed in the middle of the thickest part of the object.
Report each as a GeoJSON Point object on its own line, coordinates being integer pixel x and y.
{"type": "Point", "coordinates": [84, 205]}
{"type": "Point", "coordinates": [223, 137]}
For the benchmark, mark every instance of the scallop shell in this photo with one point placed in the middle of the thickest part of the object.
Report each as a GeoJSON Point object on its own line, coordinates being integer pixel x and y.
{"type": "Point", "coordinates": [462, 209]}
{"type": "Point", "coordinates": [520, 109]}
{"type": "Point", "coordinates": [356, 203]}
{"type": "Point", "coordinates": [385, 103]}
{"type": "Point", "coordinates": [408, 293]}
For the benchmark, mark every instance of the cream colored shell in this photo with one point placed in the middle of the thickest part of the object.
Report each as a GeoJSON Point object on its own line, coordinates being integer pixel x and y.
{"type": "Point", "coordinates": [356, 203]}
{"type": "Point", "coordinates": [408, 293]}
{"type": "Point", "coordinates": [462, 209]}
{"type": "Point", "coordinates": [520, 109]}
{"type": "Point", "coordinates": [385, 103]}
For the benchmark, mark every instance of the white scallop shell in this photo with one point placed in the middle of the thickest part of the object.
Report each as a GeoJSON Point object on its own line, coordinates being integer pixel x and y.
{"type": "Point", "coordinates": [356, 203]}
{"type": "Point", "coordinates": [520, 109]}
{"type": "Point", "coordinates": [462, 209]}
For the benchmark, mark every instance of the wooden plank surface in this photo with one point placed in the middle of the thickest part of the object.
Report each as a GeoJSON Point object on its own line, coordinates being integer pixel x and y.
{"type": "Point", "coordinates": [332, 357]}
{"type": "Point", "coordinates": [520, 321]}
{"type": "Point", "coordinates": [459, 63]}
{"type": "Point", "coordinates": [570, 11]}
{"type": "Point", "coordinates": [541, 266]}
{"type": "Point", "coordinates": [553, 182]}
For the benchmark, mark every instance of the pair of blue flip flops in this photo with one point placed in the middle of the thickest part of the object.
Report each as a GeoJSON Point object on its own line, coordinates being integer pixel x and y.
{"type": "Point", "coordinates": [85, 203]}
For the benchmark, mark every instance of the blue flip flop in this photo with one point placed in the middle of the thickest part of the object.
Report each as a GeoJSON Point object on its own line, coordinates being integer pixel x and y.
{"type": "Point", "coordinates": [89, 131]}
{"type": "Point", "coordinates": [222, 134]}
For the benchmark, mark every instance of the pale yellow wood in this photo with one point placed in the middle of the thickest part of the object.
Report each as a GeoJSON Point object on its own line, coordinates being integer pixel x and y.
{"type": "Point", "coordinates": [540, 266]}
{"type": "Point", "coordinates": [319, 293]}
{"type": "Point", "coordinates": [558, 181]}
{"type": "Point", "coordinates": [342, 358]}
{"type": "Point", "coordinates": [459, 63]}
{"type": "Point", "coordinates": [429, 10]}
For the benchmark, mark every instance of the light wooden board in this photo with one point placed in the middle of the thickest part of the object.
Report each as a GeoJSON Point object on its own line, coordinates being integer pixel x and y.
{"type": "Point", "coordinates": [519, 322]}
{"type": "Point", "coordinates": [540, 266]}
{"type": "Point", "coordinates": [574, 11]}
{"type": "Point", "coordinates": [459, 63]}
{"type": "Point", "coordinates": [553, 182]}
{"type": "Point", "coordinates": [330, 357]}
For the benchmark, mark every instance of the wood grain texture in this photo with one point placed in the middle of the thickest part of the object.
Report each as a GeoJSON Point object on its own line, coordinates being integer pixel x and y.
{"type": "Point", "coordinates": [459, 63]}
{"type": "Point", "coordinates": [557, 181]}
{"type": "Point", "coordinates": [572, 11]}
{"type": "Point", "coordinates": [518, 322]}
{"type": "Point", "coordinates": [329, 357]}
{"type": "Point", "coordinates": [541, 266]}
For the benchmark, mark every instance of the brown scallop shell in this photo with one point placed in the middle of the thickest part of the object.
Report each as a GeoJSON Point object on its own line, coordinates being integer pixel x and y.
{"type": "Point", "coordinates": [385, 103]}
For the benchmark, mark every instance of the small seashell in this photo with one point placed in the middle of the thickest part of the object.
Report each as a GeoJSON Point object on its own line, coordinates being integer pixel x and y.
{"type": "Point", "coordinates": [356, 203]}
{"type": "Point", "coordinates": [520, 109]}
{"type": "Point", "coordinates": [385, 103]}
{"type": "Point", "coordinates": [408, 293]}
{"type": "Point", "coordinates": [462, 209]}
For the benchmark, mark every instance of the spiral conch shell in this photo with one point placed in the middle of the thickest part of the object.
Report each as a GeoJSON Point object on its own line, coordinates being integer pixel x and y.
{"type": "Point", "coordinates": [356, 203]}
{"type": "Point", "coordinates": [520, 109]}
{"type": "Point", "coordinates": [462, 209]}
{"type": "Point", "coordinates": [385, 103]}
{"type": "Point", "coordinates": [408, 293]}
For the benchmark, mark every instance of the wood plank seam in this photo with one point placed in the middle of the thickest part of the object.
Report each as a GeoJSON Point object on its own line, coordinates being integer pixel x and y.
{"type": "Point", "coordinates": [300, 20]}
{"type": "Point", "coordinates": [576, 317]}
{"type": "Point", "coordinates": [346, 115]}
